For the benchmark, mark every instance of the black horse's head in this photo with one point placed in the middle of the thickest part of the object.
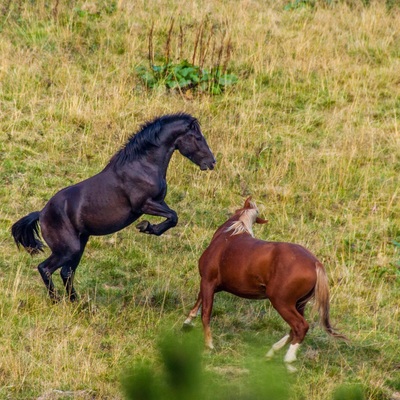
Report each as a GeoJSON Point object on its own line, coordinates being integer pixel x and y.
{"type": "Point", "coordinates": [193, 145]}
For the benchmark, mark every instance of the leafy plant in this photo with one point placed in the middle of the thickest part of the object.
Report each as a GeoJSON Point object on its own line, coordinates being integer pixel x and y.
{"type": "Point", "coordinates": [397, 244]}
{"type": "Point", "coordinates": [185, 75]}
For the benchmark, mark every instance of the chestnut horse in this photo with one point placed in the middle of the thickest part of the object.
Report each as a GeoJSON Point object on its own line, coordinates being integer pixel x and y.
{"type": "Point", "coordinates": [132, 184]}
{"type": "Point", "coordinates": [285, 273]}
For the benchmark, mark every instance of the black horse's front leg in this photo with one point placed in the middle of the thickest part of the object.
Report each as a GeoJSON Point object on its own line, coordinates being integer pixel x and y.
{"type": "Point", "coordinates": [158, 209]}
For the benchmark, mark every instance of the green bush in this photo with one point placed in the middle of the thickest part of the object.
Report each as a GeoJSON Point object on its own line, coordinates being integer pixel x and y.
{"type": "Point", "coordinates": [185, 75]}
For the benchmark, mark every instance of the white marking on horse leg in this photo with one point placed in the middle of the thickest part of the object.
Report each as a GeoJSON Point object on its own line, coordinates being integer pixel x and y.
{"type": "Point", "coordinates": [290, 368]}
{"type": "Point", "coordinates": [291, 353]}
{"type": "Point", "coordinates": [208, 338]}
{"type": "Point", "coordinates": [270, 353]}
{"type": "Point", "coordinates": [277, 346]}
{"type": "Point", "coordinates": [291, 357]}
{"type": "Point", "coordinates": [193, 314]}
{"type": "Point", "coordinates": [188, 321]}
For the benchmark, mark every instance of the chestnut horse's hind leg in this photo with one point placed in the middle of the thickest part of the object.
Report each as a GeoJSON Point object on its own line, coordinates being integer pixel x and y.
{"type": "Point", "coordinates": [301, 305]}
{"type": "Point", "coordinates": [299, 328]}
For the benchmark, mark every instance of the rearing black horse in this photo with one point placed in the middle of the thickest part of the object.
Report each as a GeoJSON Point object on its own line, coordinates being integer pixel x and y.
{"type": "Point", "coordinates": [132, 184]}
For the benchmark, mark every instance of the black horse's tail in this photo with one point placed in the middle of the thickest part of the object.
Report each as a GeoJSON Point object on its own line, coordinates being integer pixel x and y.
{"type": "Point", "coordinates": [26, 233]}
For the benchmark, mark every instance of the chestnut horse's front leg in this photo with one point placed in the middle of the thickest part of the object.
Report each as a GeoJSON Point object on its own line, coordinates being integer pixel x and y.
{"type": "Point", "coordinates": [278, 345]}
{"type": "Point", "coordinates": [193, 313]}
{"type": "Point", "coordinates": [161, 209]}
{"type": "Point", "coordinates": [207, 295]}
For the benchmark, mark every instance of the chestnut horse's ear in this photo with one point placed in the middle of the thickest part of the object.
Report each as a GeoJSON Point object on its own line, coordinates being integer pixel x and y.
{"type": "Point", "coordinates": [247, 203]}
{"type": "Point", "coordinates": [261, 221]}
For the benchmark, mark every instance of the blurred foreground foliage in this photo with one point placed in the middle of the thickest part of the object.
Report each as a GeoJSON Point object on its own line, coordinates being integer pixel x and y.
{"type": "Point", "coordinates": [179, 375]}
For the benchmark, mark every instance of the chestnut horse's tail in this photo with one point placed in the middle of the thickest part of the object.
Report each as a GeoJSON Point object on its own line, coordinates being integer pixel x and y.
{"type": "Point", "coordinates": [321, 294]}
{"type": "Point", "coordinates": [26, 233]}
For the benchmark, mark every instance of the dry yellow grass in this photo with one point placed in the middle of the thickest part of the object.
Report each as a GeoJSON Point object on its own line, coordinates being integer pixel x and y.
{"type": "Point", "coordinates": [311, 131]}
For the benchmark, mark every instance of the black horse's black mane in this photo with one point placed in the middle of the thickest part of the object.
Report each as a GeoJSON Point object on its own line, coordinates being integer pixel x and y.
{"type": "Point", "coordinates": [147, 138]}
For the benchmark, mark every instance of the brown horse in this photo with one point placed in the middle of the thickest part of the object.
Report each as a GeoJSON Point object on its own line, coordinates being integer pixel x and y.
{"type": "Point", "coordinates": [285, 273]}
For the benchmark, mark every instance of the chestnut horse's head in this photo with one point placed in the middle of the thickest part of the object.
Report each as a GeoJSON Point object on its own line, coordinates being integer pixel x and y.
{"type": "Point", "coordinates": [245, 218]}
{"type": "Point", "coordinates": [251, 208]}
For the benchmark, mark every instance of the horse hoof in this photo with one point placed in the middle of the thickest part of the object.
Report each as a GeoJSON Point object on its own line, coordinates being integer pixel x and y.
{"type": "Point", "coordinates": [290, 368]}
{"type": "Point", "coordinates": [143, 226]}
{"type": "Point", "coordinates": [209, 347]}
{"type": "Point", "coordinates": [270, 354]}
{"type": "Point", "coordinates": [55, 299]}
{"type": "Point", "coordinates": [73, 297]}
{"type": "Point", "coordinates": [187, 326]}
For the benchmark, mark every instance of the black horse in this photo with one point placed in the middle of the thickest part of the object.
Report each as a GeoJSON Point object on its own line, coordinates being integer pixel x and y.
{"type": "Point", "coordinates": [132, 184]}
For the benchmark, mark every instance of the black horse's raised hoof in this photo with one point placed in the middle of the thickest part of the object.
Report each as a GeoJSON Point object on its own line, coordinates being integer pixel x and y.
{"type": "Point", "coordinates": [143, 226]}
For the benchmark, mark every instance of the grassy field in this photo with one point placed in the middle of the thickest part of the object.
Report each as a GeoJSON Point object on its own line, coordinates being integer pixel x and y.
{"type": "Point", "coordinates": [310, 130]}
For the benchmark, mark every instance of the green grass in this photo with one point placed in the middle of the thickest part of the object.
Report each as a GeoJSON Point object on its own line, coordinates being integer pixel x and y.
{"type": "Point", "coordinates": [310, 130]}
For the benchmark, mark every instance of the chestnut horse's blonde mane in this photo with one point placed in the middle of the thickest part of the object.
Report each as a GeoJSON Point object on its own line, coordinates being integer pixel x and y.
{"type": "Point", "coordinates": [245, 222]}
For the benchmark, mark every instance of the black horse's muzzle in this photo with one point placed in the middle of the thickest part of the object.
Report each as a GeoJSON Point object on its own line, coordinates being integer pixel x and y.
{"type": "Point", "coordinates": [208, 165]}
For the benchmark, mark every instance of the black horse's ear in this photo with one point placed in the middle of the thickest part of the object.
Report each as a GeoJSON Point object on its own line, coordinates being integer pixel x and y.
{"type": "Point", "coordinates": [194, 125]}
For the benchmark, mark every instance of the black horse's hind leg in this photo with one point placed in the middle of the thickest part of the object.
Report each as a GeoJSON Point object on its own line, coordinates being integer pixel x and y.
{"type": "Point", "coordinates": [67, 275]}
{"type": "Point", "coordinates": [161, 209]}
{"type": "Point", "coordinates": [68, 260]}
{"type": "Point", "coordinates": [68, 271]}
{"type": "Point", "coordinates": [46, 270]}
